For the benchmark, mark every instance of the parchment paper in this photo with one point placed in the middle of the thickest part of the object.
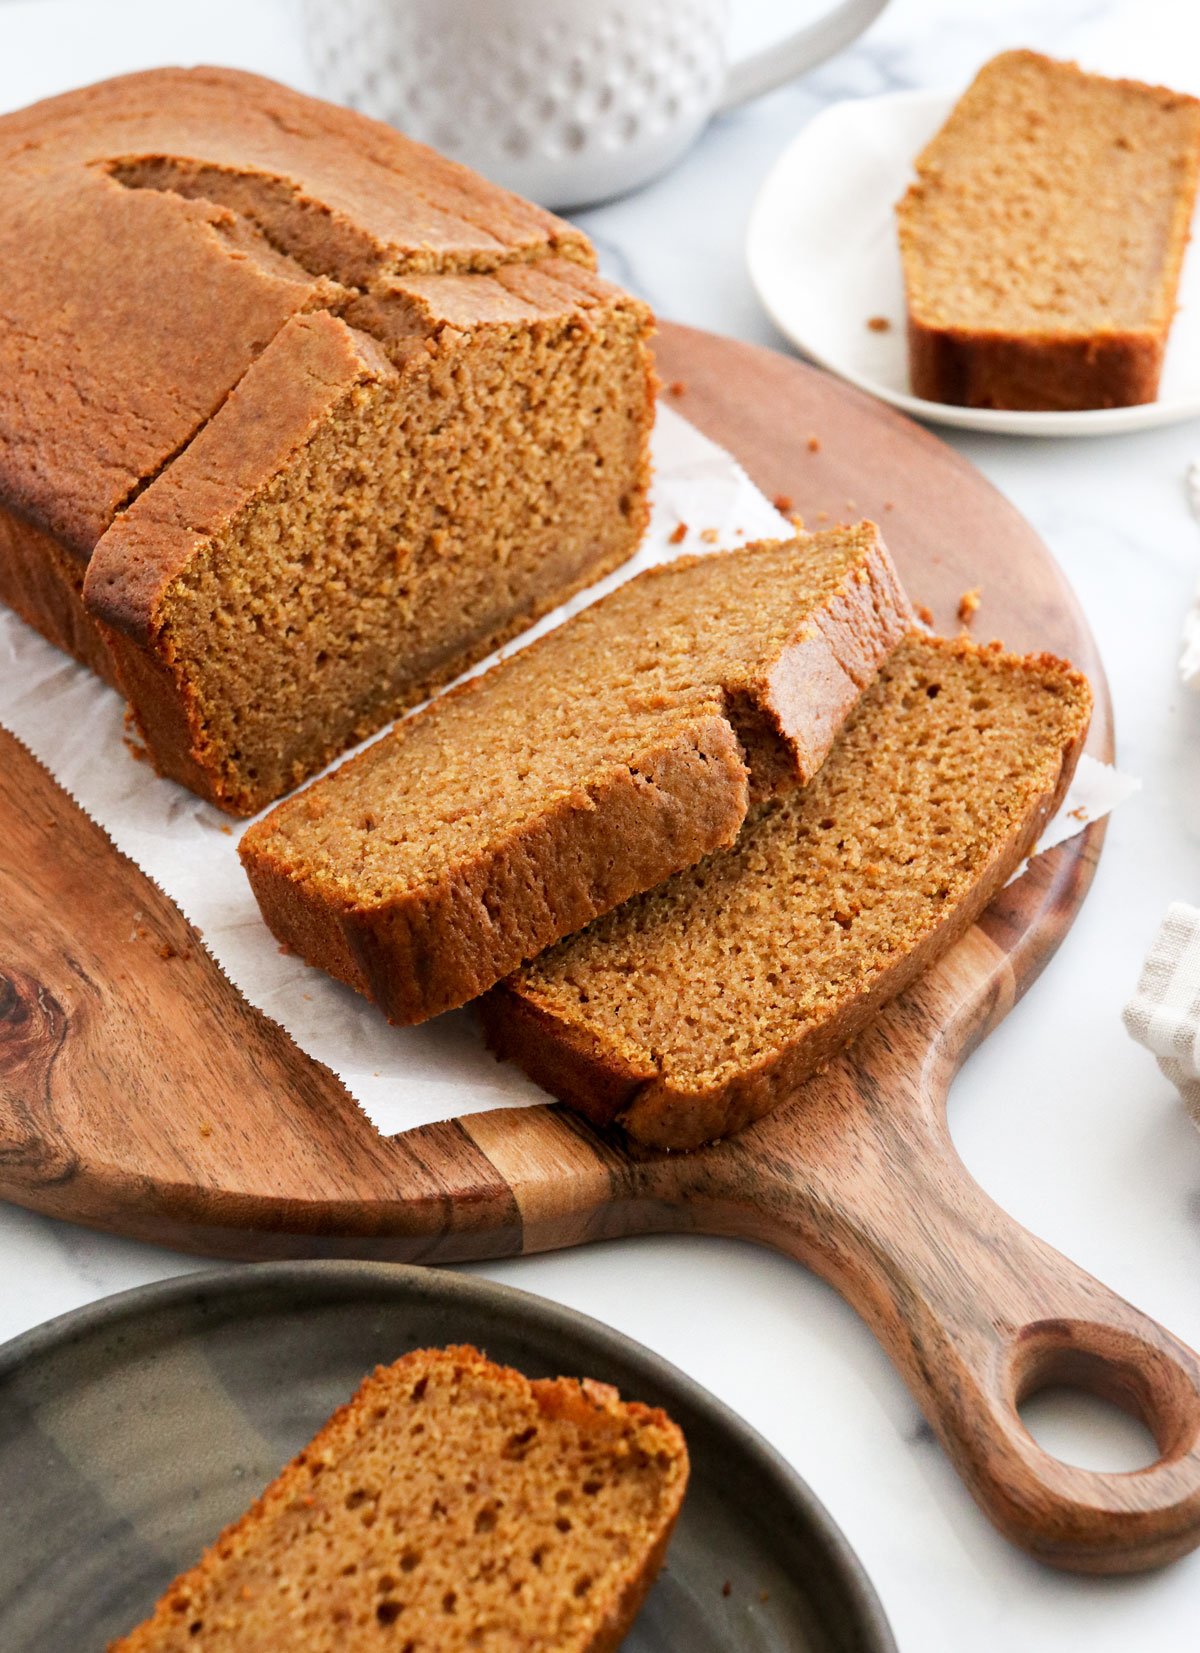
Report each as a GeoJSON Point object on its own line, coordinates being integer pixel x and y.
{"type": "Point", "coordinates": [401, 1077]}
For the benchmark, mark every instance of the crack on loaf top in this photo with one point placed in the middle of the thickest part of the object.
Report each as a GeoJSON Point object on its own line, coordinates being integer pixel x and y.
{"type": "Point", "coordinates": [292, 235]}
{"type": "Point", "coordinates": [261, 205]}
{"type": "Point", "coordinates": [319, 239]}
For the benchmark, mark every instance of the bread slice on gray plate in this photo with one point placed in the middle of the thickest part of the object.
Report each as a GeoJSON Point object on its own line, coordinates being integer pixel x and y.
{"type": "Point", "coordinates": [452, 1504]}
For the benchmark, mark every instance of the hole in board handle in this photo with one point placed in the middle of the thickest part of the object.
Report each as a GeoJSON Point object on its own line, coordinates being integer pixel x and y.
{"type": "Point", "coordinates": [1100, 1397]}
{"type": "Point", "coordinates": [1084, 1429]}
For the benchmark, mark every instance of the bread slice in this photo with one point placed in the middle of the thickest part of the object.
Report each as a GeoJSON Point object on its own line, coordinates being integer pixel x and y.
{"type": "Point", "coordinates": [381, 415]}
{"type": "Point", "coordinates": [611, 752]}
{"type": "Point", "coordinates": [1043, 239]}
{"type": "Point", "coordinates": [701, 1005]}
{"type": "Point", "coordinates": [453, 1504]}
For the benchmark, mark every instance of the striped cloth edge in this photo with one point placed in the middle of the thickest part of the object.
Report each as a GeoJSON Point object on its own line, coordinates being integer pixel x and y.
{"type": "Point", "coordinates": [1164, 1012]}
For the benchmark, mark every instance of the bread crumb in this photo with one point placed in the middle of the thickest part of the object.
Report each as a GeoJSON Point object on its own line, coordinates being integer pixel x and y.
{"type": "Point", "coordinates": [677, 387]}
{"type": "Point", "coordinates": [678, 534]}
{"type": "Point", "coordinates": [764, 1595]}
{"type": "Point", "coordinates": [796, 520]}
{"type": "Point", "coordinates": [285, 950]}
{"type": "Point", "coordinates": [727, 1588]}
{"type": "Point", "coordinates": [889, 504]}
{"type": "Point", "coordinates": [923, 613]}
{"type": "Point", "coordinates": [166, 951]}
{"type": "Point", "coordinates": [783, 503]}
{"type": "Point", "coordinates": [1079, 813]}
{"type": "Point", "coordinates": [205, 1128]}
{"type": "Point", "coordinates": [879, 324]}
{"type": "Point", "coordinates": [814, 444]}
{"type": "Point", "coordinates": [709, 536]}
{"type": "Point", "coordinates": [968, 605]}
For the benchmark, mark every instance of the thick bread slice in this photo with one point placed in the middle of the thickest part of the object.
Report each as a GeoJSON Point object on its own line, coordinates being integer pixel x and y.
{"type": "Point", "coordinates": [452, 1504]}
{"type": "Point", "coordinates": [701, 1005]}
{"type": "Point", "coordinates": [1043, 238]}
{"type": "Point", "coordinates": [621, 747]}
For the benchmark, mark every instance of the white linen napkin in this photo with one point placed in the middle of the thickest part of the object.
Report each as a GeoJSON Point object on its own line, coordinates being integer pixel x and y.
{"type": "Point", "coordinates": [401, 1077]}
{"type": "Point", "coordinates": [1164, 1013]}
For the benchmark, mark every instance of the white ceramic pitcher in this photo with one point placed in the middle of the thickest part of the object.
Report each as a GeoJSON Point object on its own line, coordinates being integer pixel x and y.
{"type": "Point", "coordinates": [566, 101]}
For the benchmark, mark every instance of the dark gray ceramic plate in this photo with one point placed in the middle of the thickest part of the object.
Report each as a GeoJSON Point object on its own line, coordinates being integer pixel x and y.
{"type": "Point", "coordinates": [134, 1429]}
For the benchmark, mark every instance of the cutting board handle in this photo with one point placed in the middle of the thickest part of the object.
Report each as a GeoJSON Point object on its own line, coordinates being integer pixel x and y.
{"type": "Point", "coordinates": [976, 1312]}
{"type": "Point", "coordinates": [976, 1336]}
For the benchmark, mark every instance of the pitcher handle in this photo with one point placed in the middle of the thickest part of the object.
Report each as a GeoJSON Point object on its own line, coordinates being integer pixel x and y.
{"type": "Point", "coordinates": [783, 60]}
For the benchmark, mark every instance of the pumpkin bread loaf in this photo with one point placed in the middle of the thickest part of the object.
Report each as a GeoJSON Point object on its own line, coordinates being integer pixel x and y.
{"type": "Point", "coordinates": [1043, 239]}
{"type": "Point", "coordinates": [453, 1504]}
{"type": "Point", "coordinates": [297, 419]}
{"type": "Point", "coordinates": [699, 1006]}
{"type": "Point", "coordinates": [620, 747]}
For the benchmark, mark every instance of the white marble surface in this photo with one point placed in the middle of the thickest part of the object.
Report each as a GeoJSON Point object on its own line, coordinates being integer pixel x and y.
{"type": "Point", "coordinates": [1061, 1117]}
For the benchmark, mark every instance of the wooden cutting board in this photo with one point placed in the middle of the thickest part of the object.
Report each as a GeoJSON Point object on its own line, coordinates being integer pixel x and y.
{"type": "Point", "coordinates": [140, 1093]}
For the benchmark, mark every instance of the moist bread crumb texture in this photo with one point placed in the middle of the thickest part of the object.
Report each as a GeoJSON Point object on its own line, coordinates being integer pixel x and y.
{"type": "Point", "coordinates": [453, 1504]}
{"type": "Point", "coordinates": [1043, 239]}
{"type": "Point", "coordinates": [386, 415]}
{"type": "Point", "coordinates": [700, 1005]}
{"type": "Point", "coordinates": [620, 747]}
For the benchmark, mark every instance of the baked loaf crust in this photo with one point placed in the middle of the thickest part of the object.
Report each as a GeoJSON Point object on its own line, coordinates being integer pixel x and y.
{"type": "Point", "coordinates": [1043, 239]}
{"type": "Point", "coordinates": [701, 1005]}
{"type": "Point", "coordinates": [297, 419]}
{"type": "Point", "coordinates": [453, 1504]}
{"type": "Point", "coordinates": [617, 749]}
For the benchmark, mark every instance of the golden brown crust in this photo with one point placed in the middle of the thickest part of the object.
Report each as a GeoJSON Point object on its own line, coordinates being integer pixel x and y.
{"type": "Point", "coordinates": [1044, 237]}
{"type": "Point", "coordinates": [610, 1088]}
{"type": "Point", "coordinates": [313, 252]}
{"type": "Point", "coordinates": [311, 365]}
{"type": "Point", "coordinates": [595, 1426]}
{"type": "Point", "coordinates": [1045, 375]}
{"type": "Point", "coordinates": [787, 718]}
{"type": "Point", "coordinates": [43, 582]}
{"type": "Point", "coordinates": [431, 949]}
{"type": "Point", "coordinates": [612, 1079]}
{"type": "Point", "coordinates": [438, 940]}
{"type": "Point", "coordinates": [101, 373]}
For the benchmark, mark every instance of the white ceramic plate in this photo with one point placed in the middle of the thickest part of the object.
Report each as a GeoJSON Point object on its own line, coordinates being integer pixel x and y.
{"type": "Point", "coordinates": [823, 255]}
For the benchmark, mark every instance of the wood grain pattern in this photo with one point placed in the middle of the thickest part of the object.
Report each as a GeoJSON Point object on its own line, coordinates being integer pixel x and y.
{"type": "Point", "coordinates": [139, 1093]}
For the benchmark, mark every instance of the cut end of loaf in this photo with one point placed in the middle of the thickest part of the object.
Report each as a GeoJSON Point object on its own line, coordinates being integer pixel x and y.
{"type": "Point", "coordinates": [342, 569]}
{"type": "Point", "coordinates": [417, 419]}
{"type": "Point", "coordinates": [452, 1504]}
{"type": "Point", "coordinates": [609, 754]}
{"type": "Point", "coordinates": [706, 1002]}
{"type": "Point", "coordinates": [1043, 238]}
